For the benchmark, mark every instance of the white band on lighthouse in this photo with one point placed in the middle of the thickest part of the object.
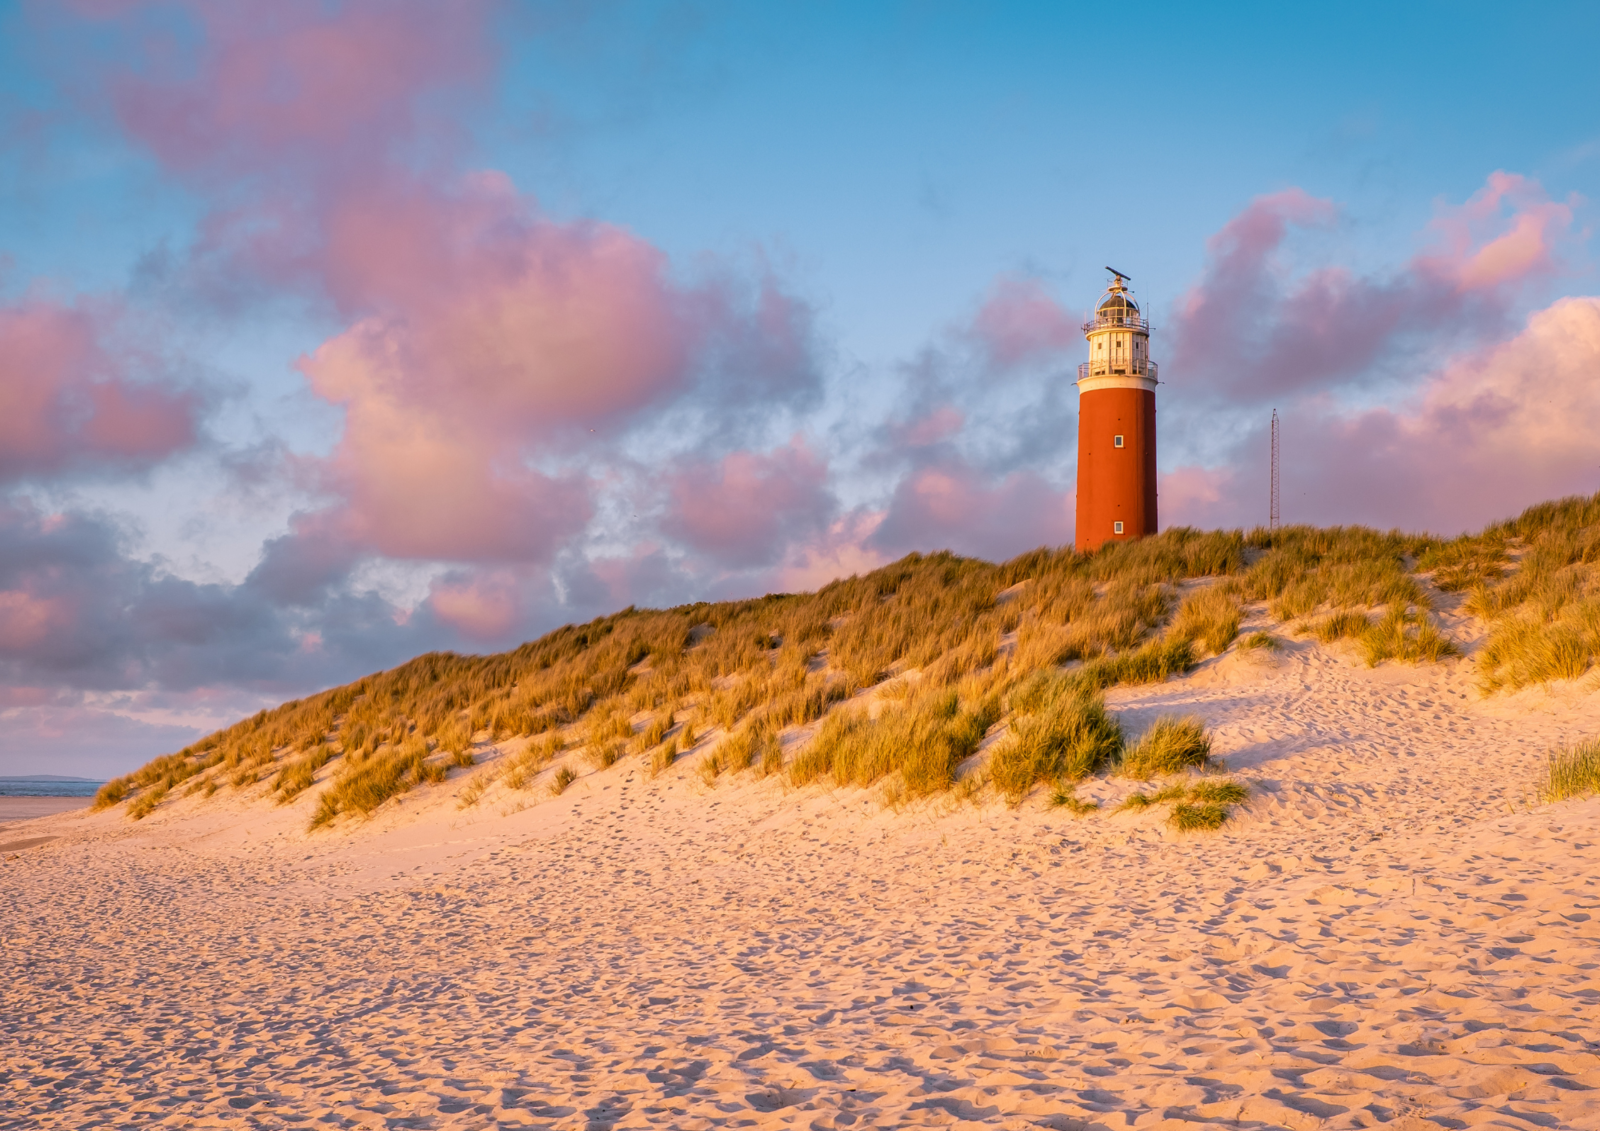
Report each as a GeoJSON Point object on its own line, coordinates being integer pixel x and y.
{"type": "Point", "coordinates": [1111, 381]}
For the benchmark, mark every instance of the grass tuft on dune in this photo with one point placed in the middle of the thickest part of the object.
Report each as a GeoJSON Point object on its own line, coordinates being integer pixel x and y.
{"type": "Point", "coordinates": [1573, 771]}
{"type": "Point", "coordinates": [1201, 806]}
{"type": "Point", "coordinates": [1060, 731]}
{"type": "Point", "coordinates": [1171, 746]}
{"type": "Point", "coordinates": [920, 743]}
{"type": "Point", "coordinates": [1210, 617]}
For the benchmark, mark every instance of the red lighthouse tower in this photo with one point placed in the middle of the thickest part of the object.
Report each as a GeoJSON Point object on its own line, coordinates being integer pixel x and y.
{"type": "Point", "coordinates": [1116, 424]}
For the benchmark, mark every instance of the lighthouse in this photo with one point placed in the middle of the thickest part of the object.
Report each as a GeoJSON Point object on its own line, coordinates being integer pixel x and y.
{"type": "Point", "coordinates": [1116, 424]}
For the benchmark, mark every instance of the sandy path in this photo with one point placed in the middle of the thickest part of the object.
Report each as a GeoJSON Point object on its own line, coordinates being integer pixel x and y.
{"type": "Point", "coordinates": [1386, 937]}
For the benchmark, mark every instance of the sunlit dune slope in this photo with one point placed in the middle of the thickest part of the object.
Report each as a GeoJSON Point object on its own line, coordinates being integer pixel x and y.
{"type": "Point", "coordinates": [933, 675]}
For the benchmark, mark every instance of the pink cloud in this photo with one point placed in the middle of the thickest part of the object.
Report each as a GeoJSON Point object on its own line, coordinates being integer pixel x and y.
{"type": "Point", "coordinates": [270, 81]}
{"type": "Point", "coordinates": [482, 606]}
{"type": "Point", "coordinates": [1189, 494]}
{"type": "Point", "coordinates": [935, 426]}
{"type": "Point", "coordinates": [745, 509]}
{"type": "Point", "coordinates": [1493, 431]}
{"type": "Point", "coordinates": [1484, 250]}
{"type": "Point", "coordinates": [26, 619]}
{"type": "Point", "coordinates": [953, 505]}
{"type": "Point", "coordinates": [841, 550]}
{"type": "Point", "coordinates": [494, 335]}
{"type": "Point", "coordinates": [484, 308]}
{"type": "Point", "coordinates": [1020, 321]}
{"type": "Point", "coordinates": [279, 110]}
{"type": "Point", "coordinates": [67, 402]}
{"type": "Point", "coordinates": [487, 346]}
{"type": "Point", "coordinates": [1252, 327]}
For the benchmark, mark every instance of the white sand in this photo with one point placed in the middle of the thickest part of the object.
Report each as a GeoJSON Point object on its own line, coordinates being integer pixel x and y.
{"type": "Point", "coordinates": [14, 809]}
{"type": "Point", "coordinates": [1387, 935]}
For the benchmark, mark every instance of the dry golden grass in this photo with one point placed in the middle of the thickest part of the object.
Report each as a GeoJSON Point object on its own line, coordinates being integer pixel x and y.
{"type": "Point", "coordinates": [663, 757]}
{"type": "Point", "coordinates": [1172, 745]}
{"type": "Point", "coordinates": [1409, 636]}
{"type": "Point", "coordinates": [1208, 616]}
{"type": "Point", "coordinates": [1261, 640]}
{"type": "Point", "coordinates": [145, 803]}
{"type": "Point", "coordinates": [1060, 731]}
{"type": "Point", "coordinates": [564, 777]}
{"type": "Point", "coordinates": [1065, 796]}
{"type": "Point", "coordinates": [1344, 625]}
{"type": "Point", "coordinates": [1153, 662]}
{"type": "Point", "coordinates": [1545, 615]}
{"type": "Point", "coordinates": [655, 731]}
{"type": "Point", "coordinates": [521, 768]}
{"type": "Point", "coordinates": [1467, 562]}
{"type": "Point", "coordinates": [455, 740]}
{"type": "Point", "coordinates": [364, 784]}
{"type": "Point", "coordinates": [606, 754]}
{"type": "Point", "coordinates": [790, 659]}
{"type": "Point", "coordinates": [111, 793]}
{"type": "Point", "coordinates": [608, 723]}
{"type": "Point", "coordinates": [1524, 651]}
{"type": "Point", "coordinates": [755, 744]}
{"type": "Point", "coordinates": [921, 743]}
{"type": "Point", "coordinates": [298, 776]}
{"type": "Point", "coordinates": [476, 786]}
{"type": "Point", "coordinates": [1402, 633]}
{"type": "Point", "coordinates": [1572, 771]}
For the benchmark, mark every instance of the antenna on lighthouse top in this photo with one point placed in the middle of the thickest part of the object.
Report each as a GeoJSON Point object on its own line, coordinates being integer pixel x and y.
{"type": "Point", "coordinates": [1121, 278]}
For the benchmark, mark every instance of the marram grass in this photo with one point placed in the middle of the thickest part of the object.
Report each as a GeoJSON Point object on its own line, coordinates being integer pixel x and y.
{"type": "Point", "coordinates": [1573, 771]}
{"type": "Point", "coordinates": [1206, 816]}
{"type": "Point", "coordinates": [1060, 731]}
{"type": "Point", "coordinates": [1170, 746]}
{"type": "Point", "coordinates": [1065, 796]}
{"type": "Point", "coordinates": [1201, 806]}
{"type": "Point", "coordinates": [920, 742]}
{"type": "Point", "coordinates": [1210, 617]}
{"type": "Point", "coordinates": [789, 661]}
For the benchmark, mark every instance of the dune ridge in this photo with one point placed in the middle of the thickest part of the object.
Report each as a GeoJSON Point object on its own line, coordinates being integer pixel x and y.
{"type": "Point", "coordinates": [940, 647]}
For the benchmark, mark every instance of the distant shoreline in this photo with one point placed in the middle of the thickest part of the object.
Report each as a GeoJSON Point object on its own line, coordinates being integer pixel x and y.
{"type": "Point", "coordinates": [47, 785]}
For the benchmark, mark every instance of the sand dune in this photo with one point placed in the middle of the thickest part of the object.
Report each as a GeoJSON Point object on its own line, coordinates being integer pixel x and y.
{"type": "Point", "coordinates": [1389, 934]}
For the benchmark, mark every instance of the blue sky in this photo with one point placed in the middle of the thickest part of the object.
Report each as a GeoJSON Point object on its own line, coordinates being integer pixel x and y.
{"type": "Point", "coordinates": [858, 235]}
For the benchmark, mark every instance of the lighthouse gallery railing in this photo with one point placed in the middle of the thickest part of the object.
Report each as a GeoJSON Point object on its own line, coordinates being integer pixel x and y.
{"type": "Point", "coordinates": [1118, 367]}
{"type": "Point", "coordinates": [1109, 321]}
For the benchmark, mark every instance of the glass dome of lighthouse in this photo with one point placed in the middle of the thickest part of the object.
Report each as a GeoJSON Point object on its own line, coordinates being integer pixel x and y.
{"type": "Point", "coordinates": [1118, 304]}
{"type": "Point", "coordinates": [1117, 310]}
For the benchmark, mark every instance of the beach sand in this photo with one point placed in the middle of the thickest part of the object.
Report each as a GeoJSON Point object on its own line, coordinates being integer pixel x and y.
{"type": "Point", "coordinates": [1391, 933]}
{"type": "Point", "coordinates": [13, 809]}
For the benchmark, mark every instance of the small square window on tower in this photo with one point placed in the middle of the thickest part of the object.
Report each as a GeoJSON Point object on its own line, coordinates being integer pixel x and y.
{"type": "Point", "coordinates": [1116, 527]}
{"type": "Point", "coordinates": [1116, 441]}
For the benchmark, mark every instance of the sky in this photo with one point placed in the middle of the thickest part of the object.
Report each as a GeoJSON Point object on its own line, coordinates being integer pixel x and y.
{"type": "Point", "coordinates": [336, 332]}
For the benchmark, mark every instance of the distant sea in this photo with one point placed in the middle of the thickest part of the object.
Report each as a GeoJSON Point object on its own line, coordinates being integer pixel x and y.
{"type": "Point", "coordinates": [48, 785]}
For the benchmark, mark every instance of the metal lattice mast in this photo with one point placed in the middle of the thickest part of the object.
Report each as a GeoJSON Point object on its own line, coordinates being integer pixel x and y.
{"type": "Point", "coordinates": [1272, 520]}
